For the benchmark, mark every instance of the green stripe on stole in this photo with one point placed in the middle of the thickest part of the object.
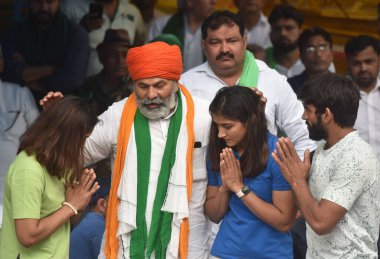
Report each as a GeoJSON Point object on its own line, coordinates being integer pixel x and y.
{"type": "Point", "coordinates": [160, 229]}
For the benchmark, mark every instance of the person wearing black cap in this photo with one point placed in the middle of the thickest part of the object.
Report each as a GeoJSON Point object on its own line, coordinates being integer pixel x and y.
{"type": "Point", "coordinates": [86, 237]}
{"type": "Point", "coordinates": [112, 83]}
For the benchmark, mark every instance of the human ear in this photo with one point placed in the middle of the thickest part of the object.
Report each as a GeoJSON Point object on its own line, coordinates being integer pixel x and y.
{"type": "Point", "coordinates": [101, 205]}
{"type": "Point", "coordinates": [327, 116]}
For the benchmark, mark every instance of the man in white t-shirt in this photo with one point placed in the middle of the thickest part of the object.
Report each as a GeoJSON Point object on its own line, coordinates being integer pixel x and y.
{"type": "Point", "coordinates": [340, 201]}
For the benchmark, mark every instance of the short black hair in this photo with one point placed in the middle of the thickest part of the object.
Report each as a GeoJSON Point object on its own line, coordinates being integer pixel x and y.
{"type": "Point", "coordinates": [285, 11]}
{"type": "Point", "coordinates": [359, 43]}
{"type": "Point", "coordinates": [338, 93]}
{"type": "Point", "coordinates": [311, 32]}
{"type": "Point", "coordinates": [218, 18]}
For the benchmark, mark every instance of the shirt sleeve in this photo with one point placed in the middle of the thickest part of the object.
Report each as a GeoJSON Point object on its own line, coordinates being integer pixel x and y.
{"type": "Point", "coordinates": [27, 188]}
{"type": "Point", "coordinates": [102, 141]}
{"type": "Point", "coordinates": [29, 106]}
{"type": "Point", "coordinates": [213, 176]}
{"type": "Point", "coordinates": [96, 242]}
{"type": "Point", "coordinates": [289, 119]}
{"type": "Point", "coordinates": [279, 182]}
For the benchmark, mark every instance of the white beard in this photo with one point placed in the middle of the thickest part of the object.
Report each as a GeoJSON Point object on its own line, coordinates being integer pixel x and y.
{"type": "Point", "coordinates": [164, 106]}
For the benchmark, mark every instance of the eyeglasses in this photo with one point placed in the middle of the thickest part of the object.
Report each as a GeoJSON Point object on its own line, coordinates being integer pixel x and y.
{"type": "Point", "coordinates": [321, 48]}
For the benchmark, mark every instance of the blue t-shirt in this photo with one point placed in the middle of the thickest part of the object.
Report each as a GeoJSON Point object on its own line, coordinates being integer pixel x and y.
{"type": "Point", "coordinates": [86, 238]}
{"type": "Point", "coordinates": [242, 234]}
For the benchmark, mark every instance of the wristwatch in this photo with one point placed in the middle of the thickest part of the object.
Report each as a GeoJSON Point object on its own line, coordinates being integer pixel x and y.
{"type": "Point", "coordinates": [243, 192]}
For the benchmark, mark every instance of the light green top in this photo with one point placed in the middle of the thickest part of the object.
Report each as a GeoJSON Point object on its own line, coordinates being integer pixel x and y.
{"type": "Point", "coordinates": [30, 192]}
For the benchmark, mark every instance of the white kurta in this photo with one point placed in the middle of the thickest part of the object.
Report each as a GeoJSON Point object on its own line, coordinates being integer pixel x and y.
{"type": "Point", "coordinates": [102, 143]}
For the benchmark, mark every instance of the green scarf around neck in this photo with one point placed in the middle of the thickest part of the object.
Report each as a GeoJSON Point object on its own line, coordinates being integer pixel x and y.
{"type": "Point", "coordinates": [250, 75]}
{"type": "Point", "coordinates": [144, 244]}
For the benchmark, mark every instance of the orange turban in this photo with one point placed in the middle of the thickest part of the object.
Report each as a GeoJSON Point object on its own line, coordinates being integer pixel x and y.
{"type": "Point", "coordinates": [157, 59]}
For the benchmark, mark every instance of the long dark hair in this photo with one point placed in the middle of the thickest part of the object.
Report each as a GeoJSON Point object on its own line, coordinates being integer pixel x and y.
{"type": "Point", "coordinates": [241, 104]}
{"type": "Point", "coordinates": [58, 135]}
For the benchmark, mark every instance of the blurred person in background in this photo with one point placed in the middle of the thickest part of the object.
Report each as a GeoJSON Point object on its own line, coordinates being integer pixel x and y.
{"type": "Point", "coordinates": [363, 60]}
{"type": "Point", "coordinates": [186, 25]}
{"type": "Point", "coordinates": [18, 110]}
{"type": "Point", "coordinates": [46, 52]}
{"type": "Point", "coordinates": [112, 83]}
{"type": "Point", "coordinates": [105, 14]}
{"type": "Point", "coordinates": [256, 23]}
{"type": "Point", "coordinates": [315, 45]}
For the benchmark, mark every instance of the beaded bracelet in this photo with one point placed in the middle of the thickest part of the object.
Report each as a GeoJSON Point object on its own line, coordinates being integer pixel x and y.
{"type": "Point", "coordinates": [71, 207]}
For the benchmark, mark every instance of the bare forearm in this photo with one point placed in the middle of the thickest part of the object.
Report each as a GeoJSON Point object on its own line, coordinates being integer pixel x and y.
{"type": "Point", "coordinates": [31, 74]}
{"type": "Point", "coordinates": [279, 219]}
{"type": "Point", "coordinates": [33, 231]}
{"type": "Point", "coordinates": [217, 206]}
{"type": "Point", "coordinates": [310, 207]}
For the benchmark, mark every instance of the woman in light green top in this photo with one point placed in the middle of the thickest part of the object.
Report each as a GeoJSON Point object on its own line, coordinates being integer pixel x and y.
{"type": "Point", "coordinates": [46, 185]}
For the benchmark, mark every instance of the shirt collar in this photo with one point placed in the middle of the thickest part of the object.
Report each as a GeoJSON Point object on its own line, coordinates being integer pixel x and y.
{"type": "Point", "coordinates": [205, 68]}
{"type": "Point", "coordinates": [376, 88]}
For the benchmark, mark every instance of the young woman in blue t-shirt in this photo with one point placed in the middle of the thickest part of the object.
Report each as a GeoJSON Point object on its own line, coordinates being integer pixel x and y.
{"type": "Point", "coordinates": [246, 188]}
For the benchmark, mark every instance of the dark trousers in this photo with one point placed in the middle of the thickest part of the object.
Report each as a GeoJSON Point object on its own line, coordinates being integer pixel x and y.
{"type": "Point", "coordinates": [298, 232]}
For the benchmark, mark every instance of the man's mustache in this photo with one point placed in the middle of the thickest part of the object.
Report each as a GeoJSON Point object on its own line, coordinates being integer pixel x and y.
{"type": "Point", "coordinates": [224, 55]}
{"type": "Point", "coordinates": [156, 100]}
{"type": "Point", "coordinates": [285, 40]}
{"type": "Point", "coordinates": [368, 74]}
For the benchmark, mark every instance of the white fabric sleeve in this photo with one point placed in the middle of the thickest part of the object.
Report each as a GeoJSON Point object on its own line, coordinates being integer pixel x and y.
{"type": "Point", "coordinates": [29, 106]}
{"type": "Point", "coordinates": [289, 119]}
{"type": "Point", "coordinates": [156, 28]}
{"type": "Point", "coordinates": [103, 139]}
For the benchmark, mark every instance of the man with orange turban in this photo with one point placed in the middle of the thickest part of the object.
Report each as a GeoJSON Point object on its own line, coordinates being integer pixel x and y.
{"type": "Point", "coordinates": [158, 139]}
